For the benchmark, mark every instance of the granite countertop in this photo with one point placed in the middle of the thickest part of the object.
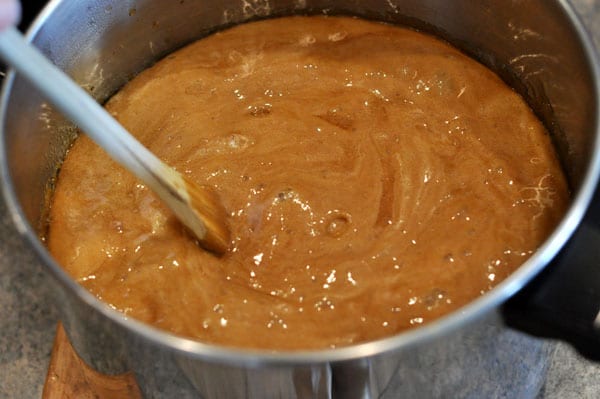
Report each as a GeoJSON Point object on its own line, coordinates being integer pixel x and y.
{"type": "Point", "coordinates": [28, 322]}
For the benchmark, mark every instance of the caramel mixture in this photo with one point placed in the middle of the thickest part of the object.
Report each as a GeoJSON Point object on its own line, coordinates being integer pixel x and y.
{"type": "Point", "coordinates": [375, 177]}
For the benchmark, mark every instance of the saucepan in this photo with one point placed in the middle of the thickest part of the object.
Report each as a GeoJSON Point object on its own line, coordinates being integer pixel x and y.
{"type": "Point", "coordinates": [537, 46]}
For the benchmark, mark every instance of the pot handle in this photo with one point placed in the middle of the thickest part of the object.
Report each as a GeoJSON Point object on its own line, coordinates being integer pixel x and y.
{"type": "Point", "coordinates": [563, 301]}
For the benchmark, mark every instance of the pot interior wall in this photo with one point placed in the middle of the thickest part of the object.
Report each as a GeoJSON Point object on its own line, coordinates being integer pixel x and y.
{"type": "Point", "coordinates": [104, 44]}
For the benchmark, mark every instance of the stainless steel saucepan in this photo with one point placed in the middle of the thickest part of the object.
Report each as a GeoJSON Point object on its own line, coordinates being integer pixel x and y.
{"type": "Point", "coordinates": [538, 46]}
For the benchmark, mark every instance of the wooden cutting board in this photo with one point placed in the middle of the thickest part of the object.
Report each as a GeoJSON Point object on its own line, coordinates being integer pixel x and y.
{"type": "Point", "coordinates": [69, 377]}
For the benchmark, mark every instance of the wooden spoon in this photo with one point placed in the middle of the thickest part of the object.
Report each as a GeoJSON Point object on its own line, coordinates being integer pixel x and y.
{"type": "Point", "coordinates": [197, 207]}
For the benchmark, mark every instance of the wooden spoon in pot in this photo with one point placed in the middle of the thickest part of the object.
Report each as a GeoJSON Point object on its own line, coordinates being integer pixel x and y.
{"type": "Point", "coordinates": [197, 207]}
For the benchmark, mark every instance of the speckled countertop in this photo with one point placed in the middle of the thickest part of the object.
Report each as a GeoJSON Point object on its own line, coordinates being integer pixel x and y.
{"type": "Point", "coordinates": [28, 322]}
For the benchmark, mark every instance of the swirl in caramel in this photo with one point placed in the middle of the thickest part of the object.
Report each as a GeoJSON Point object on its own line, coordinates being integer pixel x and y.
{"type": "Point", "coordinates": [376, 178]}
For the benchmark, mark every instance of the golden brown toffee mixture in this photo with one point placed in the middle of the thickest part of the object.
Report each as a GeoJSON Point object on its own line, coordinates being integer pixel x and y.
{"type": "Point", "coordinates": [376, 179]}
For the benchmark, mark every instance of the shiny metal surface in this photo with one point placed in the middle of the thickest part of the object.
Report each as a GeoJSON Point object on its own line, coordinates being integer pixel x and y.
{"type": "Point", "coordinates": [536, 45]}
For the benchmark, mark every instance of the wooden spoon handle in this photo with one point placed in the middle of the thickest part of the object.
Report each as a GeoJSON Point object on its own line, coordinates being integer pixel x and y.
{"type": "Point", "coordinates": [78, 106]}
{"type": "Point", "coordinates": [99, 125]}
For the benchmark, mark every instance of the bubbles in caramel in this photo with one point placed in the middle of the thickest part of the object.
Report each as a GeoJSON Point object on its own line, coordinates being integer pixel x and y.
{"type": "Point", "coordinates": [376, 178]}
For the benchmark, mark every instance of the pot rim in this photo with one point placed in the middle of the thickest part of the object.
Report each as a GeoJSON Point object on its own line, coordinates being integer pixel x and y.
{"type": "Point", "coordinates": [258, 358]}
